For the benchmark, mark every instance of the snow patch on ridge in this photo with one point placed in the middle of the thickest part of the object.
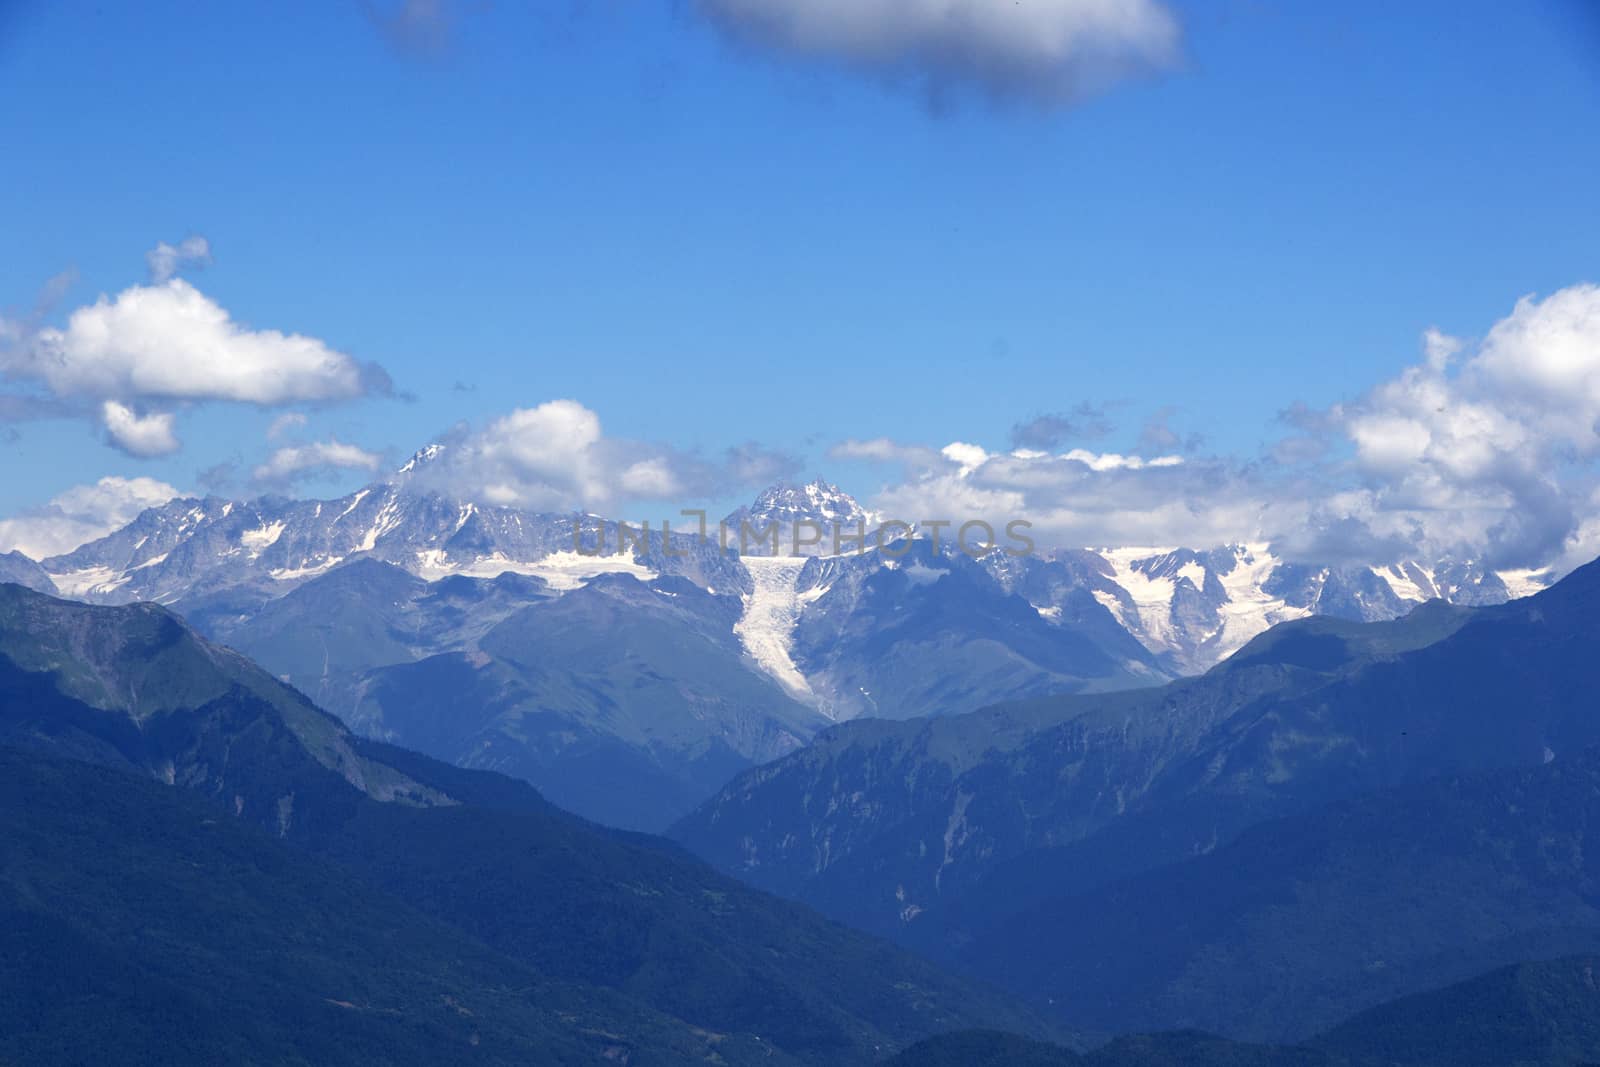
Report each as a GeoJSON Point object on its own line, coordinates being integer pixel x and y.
{"type": "Point", "coordinates": [563, 571]}
{"type": "Point", "coordinates": [310, 570]}
{"type": "Point", "coordinates": [259, 540]}
{"type": "Point", "coordinates": [1525, 583]}
{"type": "Point", "coordinates": [91, 581]}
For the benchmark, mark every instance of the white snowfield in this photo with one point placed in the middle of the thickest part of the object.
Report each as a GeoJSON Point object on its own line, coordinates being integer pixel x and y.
{"type": "Point", "coordinates": [771, 611]}
{"type": "Point", "coordinates": [1246, 608]}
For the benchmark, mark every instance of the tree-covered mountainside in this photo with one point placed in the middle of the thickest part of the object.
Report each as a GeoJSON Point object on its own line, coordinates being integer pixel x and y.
{"type": "Point", "coordinates": [1540, 1014]}
{"type": "Point", "coordinates": [1303, 921]}
{"type": "Point", "coordinates": [1524, 1015]}
{"type": "Point", "coordinates": [133, 689]}
{"type": "Point", "coordinates": [141, 925]}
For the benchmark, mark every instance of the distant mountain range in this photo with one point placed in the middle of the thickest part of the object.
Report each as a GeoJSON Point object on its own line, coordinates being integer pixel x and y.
{"type": "Point", "coordinates": [1188, 608]}
{"type": "Point", "coordinates": [631, 680]}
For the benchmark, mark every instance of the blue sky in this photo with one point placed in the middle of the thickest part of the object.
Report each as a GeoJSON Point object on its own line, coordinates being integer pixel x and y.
{"type": "Point", "coordinates": [707, 239]}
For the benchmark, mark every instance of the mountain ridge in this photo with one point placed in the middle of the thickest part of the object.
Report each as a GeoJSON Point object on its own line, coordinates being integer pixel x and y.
{"type": "Point", "coordinates": [886, 824]}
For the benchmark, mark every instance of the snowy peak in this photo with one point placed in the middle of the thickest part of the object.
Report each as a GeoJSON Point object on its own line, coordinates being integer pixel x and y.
{"type": "Point", "coordinates": [421, 458]}
{"type": "Point", "coordinates": [817, 501]}
{"type": "Point", "coordinates": [802, 518]}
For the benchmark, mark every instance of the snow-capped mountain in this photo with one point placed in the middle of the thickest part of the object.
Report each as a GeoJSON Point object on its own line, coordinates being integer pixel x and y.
{"type": "Point", "coordinates": [1183, 609]}
{"type": "Point", "coordinates": [192, 546]}
{"type": "Point", "coordinates": [815, 519]}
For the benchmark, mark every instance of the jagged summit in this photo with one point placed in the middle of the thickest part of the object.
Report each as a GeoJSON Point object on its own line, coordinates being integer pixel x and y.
{"type": "Point", "coordinates": [24, 571]}
{"type": "Point", "coordinates": [421, 458]}
{"type": "Point", "coordinates": [192, 546]}
{"type": "Point", "coordinates": [784, 506]}
{"type": "Point", "coordinates": [816, 501]}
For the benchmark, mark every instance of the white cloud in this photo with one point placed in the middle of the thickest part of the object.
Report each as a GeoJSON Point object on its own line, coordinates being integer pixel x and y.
{"type": "Point", "coordinates": [144, 436]}
{"type": "Point", "coordinates": [967, 458]}
{"type": "Point", "coordinates": [165, 260]}
{"type": "Point", "coordinates": [293, 462]}
{"type": "Point", "coordinates": [1111, 461]}
{"type": "Point", "coordinates": [1542, 362]}
{"type": "Point", "coordinates": [1046, 51]}
{"type": "Point", "coordinates": [557, 457]}
{"type": "Point", "coordinates": [133, 361]}
{"type": "Point", "coordinates": [82, 514]}
{"type": "Point", "coordinates": [549, 456]}
{"type": "Point", "coordinates": [171, 342]}
{"type": "Point", "coordinates": [1485, 450]}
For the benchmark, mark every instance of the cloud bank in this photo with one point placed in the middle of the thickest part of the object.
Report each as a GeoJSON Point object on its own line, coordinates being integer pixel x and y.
{"type": "Point", "coordinates": [1486, 449]}
{"type": "Point", "coordinates": [81, 514]}
{"type": "Point", "coordinates": [1046, 52]}
{"type": "Point", "coordinates": [1480, 450]}
{"type": "Point", "coordinates": [557, 457]}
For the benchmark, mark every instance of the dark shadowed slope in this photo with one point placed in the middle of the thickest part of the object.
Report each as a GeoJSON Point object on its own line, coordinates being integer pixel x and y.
{"type": "Point", "coordinates": [142, 926]}
{"type": "Point", "coordinates": [133, 688]}
{"type": "Point", "coordinates": [1303, 921]}
{"type": "Point", "coordinates": [1543, 1014]}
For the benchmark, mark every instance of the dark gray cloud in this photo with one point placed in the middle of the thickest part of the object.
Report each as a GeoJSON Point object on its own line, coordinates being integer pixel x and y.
{"type": "Point", "coordinates": [753, 465]}
{"type": "Point", "coordinates": [1159, 437]}
{"type": "Point", "coordinates": [1049, 53]}
{"type": "Point", "coordinates": [1044, 433]}
{"type": "Point", "coordinates": [414, 27]}
{"type": "Point", "coordinates": [1342, 541]}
